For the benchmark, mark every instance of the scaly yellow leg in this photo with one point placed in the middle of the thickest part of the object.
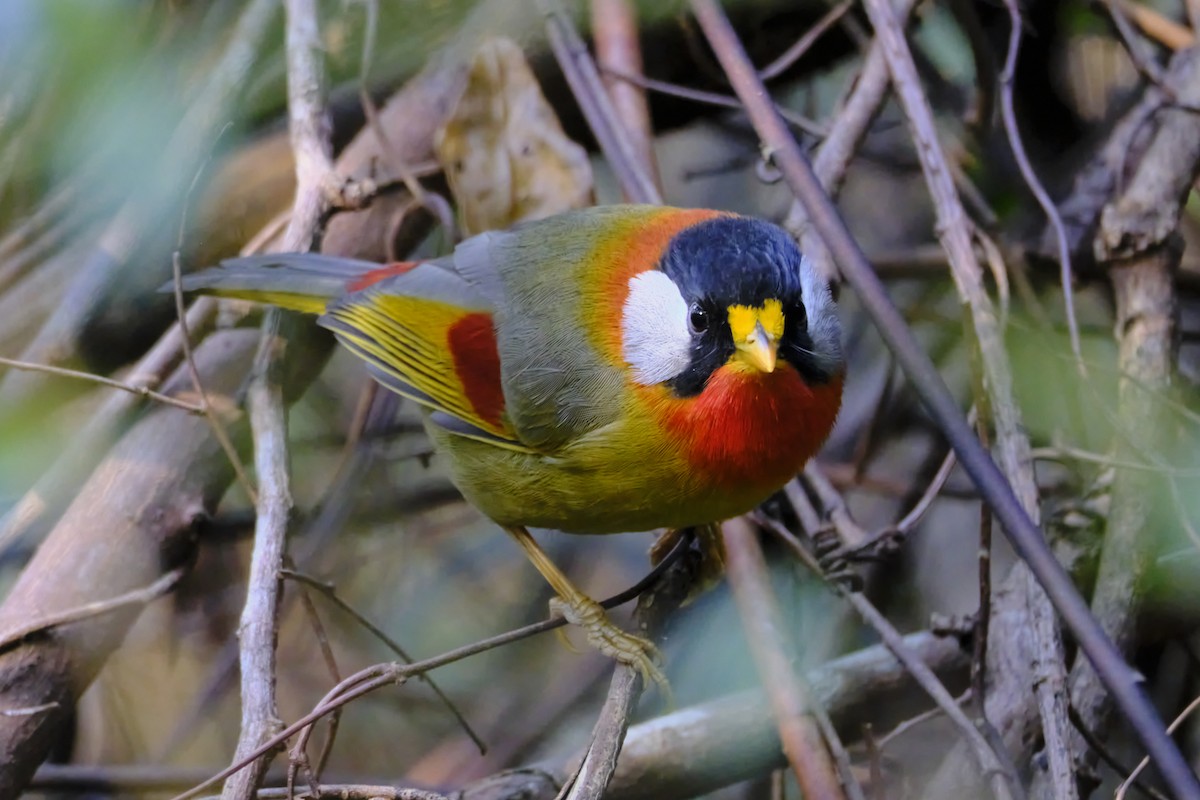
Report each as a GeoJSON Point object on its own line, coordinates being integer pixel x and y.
{"type": "Point", "coordinates": [577, 608]}
{"type": "Point", "coordinates": [712, 552]}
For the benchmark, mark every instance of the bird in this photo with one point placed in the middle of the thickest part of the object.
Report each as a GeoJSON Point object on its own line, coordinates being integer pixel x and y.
{"type": "Point", "coordinates": [609, 369]}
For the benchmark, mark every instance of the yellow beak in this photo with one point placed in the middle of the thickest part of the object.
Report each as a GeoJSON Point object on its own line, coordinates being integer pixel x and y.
{"type": "Point", "coordinates": [759, 349]}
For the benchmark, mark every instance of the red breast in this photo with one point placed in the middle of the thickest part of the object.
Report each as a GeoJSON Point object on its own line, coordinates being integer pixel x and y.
{"type": "Point", "coordinates": [750, 429]}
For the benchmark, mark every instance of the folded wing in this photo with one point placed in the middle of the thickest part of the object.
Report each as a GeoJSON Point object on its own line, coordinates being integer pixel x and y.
{"type": "Point", "coordinates": [429, 336]}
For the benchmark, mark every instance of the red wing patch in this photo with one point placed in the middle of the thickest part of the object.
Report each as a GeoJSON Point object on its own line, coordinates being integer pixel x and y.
{"type": "Point", "coordinates": [472, 342]}
{"type": "Point", "coordinates": [438, 354]}
{"type": "Point", "coordinates": [376, 275]}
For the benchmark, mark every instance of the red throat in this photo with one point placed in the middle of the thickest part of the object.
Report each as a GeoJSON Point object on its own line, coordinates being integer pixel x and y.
{"type": "Point", "coordinates": [750, 429]}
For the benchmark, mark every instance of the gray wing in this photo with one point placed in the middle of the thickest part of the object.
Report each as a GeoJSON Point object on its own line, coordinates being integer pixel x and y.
{"type": "Point", "coordinates": [557, 387]}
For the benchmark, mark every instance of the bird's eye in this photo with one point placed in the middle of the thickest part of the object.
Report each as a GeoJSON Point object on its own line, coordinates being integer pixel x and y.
{"type": "Point", "coordinates": [698, 319]}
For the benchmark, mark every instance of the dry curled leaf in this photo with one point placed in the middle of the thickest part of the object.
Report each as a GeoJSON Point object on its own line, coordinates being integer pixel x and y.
{"type": "Point", "coordinates": [503, 149]}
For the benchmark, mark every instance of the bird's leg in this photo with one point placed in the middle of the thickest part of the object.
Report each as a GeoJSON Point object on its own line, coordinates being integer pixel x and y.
{"type": "Point", "coordinates": [577, 608]}
{"type": "Point", "coordinates": [712, 552]}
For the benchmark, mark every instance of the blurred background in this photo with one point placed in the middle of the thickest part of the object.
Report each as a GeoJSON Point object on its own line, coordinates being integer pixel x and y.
{"type": "Point", "coordinates": [134, 131]}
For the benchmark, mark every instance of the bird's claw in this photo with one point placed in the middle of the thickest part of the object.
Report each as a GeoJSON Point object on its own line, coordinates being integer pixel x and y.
{"type": "Point", "coordinates": [603, 635]}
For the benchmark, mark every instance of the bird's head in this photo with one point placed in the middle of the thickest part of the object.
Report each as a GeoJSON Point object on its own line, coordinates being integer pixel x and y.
{"type": "Point", "coordinates": [730, 292]}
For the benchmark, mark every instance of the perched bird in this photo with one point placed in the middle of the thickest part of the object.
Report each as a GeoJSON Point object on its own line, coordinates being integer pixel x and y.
{"type": "Point", "coordinates": [618, 368]}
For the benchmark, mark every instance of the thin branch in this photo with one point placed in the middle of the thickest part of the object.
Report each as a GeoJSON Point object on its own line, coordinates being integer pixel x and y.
{"type": "Point", "coordinates": [790, 699]}
{"type": "Point", "coordinates": [837, 150]}
{"type": "Point", "coordinates": [712, 98]}
{"type": "Point", "coordinates": [141, 391]}
{"type": "Point", "coordinates": [599, 762]}
{"type": "Point", "coordinates": [615, 33]}
{"type": "Point", "coordinates": [316, 185]}
{"type": "Point", "coordinates": [1003, 780]}
{"type": "Point", "coordinates": [580, 71]}
{"type": "Point", "coordinates": [1145, 762]}
{"type": "Point", "coordinates": [925, 502]}
{"type": "Point", "coordinates": [805, 42]}
{"type": "Point", "coordinates": [350, 791]}
{"type": "Point", "coordinates": [1009, 115]}
{"type": "Point", "coordinates": [258, 631]}
{"type": "Point", "coordinates": [214, 420]}
{"type": "Point", "coordinates": [378, 676]}
{"type": "Point", "coordinates": [298, 755]}
{"type": "Point", "coordinates": [329, 593]}
{"type": "Point", "coordinates": [1112, 761]}
{"type": "Point", "coordinates": [136, 597]}
{"type": "Point", "coordinates": [218, 427]}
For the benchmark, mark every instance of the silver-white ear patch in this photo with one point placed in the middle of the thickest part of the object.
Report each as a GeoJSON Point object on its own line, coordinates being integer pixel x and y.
{"type": "Point", "coordinates": [654, 329]}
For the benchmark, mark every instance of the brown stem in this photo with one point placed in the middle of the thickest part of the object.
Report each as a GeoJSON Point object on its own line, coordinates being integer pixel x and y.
{"type": "Point", "coordinates": [790, 700]}
{"type": "Point", "coordinates": [615, 32]}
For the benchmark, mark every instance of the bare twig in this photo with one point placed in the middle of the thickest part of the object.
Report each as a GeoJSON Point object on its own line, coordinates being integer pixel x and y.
{"type": "Point", "coordinates": [790, 701]}
{"type": "Point", "coordinates": [923, 504]}
{"type": "Point", "coordinates": [298, 754]}
{"type": "Point", "coordinates": [1145, 762]}
{"type": "Point", "coordinates": [599, 761]}
{"type": "Point", "coordinates": [581, 74]}
{"type": "Point", "coordinates": [1016, 522]}
{"type": "Point", "coordinates": [805, 42]}
{"type": "Point", "coordinates": [353, 791]}
{"type": "Point", "coordinates": [1159, 27]}
{"type": "Point", "coordinates": [615, 32]}
{"type": "Point", "coordinates": [136, 597]}
{"type": "Point", "coordinates": [258, 630]}
{"type": "Point", "coordinates": [712, 98]}
{"type": "Point", "coordinates": [378, 676]}
{"type": "Point", "coordinates": [1002, 777]}
{"type": "Point", "coordinates": [1009, 115]}
{"type": "Point", "coordinates": [316, 185]}
{"type": "Point", "coordinates": [214, 420]}
{"type": "Point", "coordinates": [332, 596]}
{"type": "Point", "coordinates": [141, 391]}
{"type": "Point", "coordinates": [837, 150]}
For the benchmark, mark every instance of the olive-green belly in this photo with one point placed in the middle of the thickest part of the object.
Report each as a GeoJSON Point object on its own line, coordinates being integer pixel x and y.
{"type": "Point", "coordinates": [605, 484]}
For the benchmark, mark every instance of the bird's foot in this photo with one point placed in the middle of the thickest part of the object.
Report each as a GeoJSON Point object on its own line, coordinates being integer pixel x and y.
{"type": "Point", "coordinates": [712, 552]}
{"type": "Point", "coordinates": [603, 635]}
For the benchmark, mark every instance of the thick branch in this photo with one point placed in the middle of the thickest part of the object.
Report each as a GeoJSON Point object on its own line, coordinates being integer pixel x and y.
{"type": "Point", "coordinates": [132, 521]}
{"type": "Point", "coordinates": [1139, 243]}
